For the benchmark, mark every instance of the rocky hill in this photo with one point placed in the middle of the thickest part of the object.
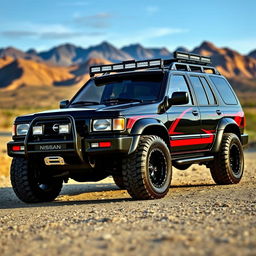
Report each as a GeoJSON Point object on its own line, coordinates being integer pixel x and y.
{"type": "Point", "coordinates": [16, 73]}
{"type": "Point", "coordinates": [67, 64]}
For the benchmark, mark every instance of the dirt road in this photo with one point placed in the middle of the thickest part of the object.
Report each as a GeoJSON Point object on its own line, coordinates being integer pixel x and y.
{"type": "Point", "coordinates": [196, 218]}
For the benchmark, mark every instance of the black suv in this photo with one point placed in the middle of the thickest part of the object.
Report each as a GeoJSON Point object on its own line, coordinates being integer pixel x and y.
{"type": "Point", "coordinates": [134, 121]}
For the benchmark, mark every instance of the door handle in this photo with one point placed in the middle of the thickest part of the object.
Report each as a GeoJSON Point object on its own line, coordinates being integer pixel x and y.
{"type": "Point", "coordinates": [218, 112]}
{"type": "Point", "coordinates": [195, 112]}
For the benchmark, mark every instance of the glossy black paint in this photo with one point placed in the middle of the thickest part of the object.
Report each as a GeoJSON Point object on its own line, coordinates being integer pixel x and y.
{"type": "Point", "coordinates": [188, 130]}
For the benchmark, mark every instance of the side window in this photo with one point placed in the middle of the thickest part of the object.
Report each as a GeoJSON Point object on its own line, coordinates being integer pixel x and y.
{"type": "Point", "coordinates": [211, 98]}
{"type": "Point", "coordinates": [199, 90]}
{"type": "Point", "coordinates": [179, 84]}
{"type": "Point", "coordinates": [224, 90]}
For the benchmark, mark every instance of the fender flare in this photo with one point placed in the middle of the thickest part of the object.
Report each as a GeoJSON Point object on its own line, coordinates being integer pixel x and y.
{"type": "Point", "coordinates": [220, 131]}
{"type": "Point", "coordinates": [140, 126]}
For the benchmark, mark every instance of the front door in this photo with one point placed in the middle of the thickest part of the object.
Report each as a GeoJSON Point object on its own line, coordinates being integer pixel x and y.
{"type": "Point", "coordinates": [183, 120]}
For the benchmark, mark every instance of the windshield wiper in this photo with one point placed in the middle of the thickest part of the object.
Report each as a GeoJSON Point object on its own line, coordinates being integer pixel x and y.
{"type": "Point", "coordinates": [83, 102]}
{"type": "Point", "coordinates": [113, 100]}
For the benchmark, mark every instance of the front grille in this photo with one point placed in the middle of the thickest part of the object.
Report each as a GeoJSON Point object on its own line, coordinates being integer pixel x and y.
{"type": "Point", "coordinates": [51, 134]}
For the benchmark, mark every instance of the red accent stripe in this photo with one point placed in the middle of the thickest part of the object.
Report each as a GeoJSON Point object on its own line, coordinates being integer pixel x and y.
{"type": "Point", "coordinates": [195, 141]}
{"type": "Point", "coordinates": [189, 142]}
{"type": "Point", "coordinates": [132, 120]}
{"type": "Point", "coordinates": [239, 118]}
{"type": "Point", "coordinates": [176, 122]}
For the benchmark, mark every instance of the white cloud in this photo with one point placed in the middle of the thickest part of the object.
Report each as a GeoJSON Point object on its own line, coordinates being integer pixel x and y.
{"type": "Point", "coordinates": [49, 31]}
{"type": "Point", "coordinates": [48, 28]}
{"type": "Point", "coordinates": [152, 33]}
{"type": "Point", "coordinates": [98, 20]}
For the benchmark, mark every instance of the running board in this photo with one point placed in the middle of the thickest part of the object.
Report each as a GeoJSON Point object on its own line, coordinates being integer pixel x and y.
{"type": "Point", "coordinates": [195, 160]}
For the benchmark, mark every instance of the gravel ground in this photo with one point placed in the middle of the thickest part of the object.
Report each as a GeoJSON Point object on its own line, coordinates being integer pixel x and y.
{"type": "Point", "coordinates": [195, 218]}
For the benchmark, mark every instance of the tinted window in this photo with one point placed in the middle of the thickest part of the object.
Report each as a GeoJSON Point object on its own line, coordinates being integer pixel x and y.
{"type": "Point", "coordinates": [224, 90]}
{"type": "Point", "coordinates": [178, 84]}
{"type": "Point", "coordinates": [199, 90]}
{"type": "Point", "coordinates": [210, 96]}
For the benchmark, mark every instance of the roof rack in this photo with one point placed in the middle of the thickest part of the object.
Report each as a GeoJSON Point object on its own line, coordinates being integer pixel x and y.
{"type": "Point", "coordinates": [192, 58]}
{"type": "Point", "coordinates": [129, 65]}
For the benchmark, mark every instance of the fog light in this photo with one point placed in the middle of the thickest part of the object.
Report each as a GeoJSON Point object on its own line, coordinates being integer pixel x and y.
{"type": "Point", "coordinates": [17, 148]}
{"type": "Point", "coordinates": [38, 130]}
{"type": "Point", "coordinates": [95, 145]}
{"type": "Point", "coordinates": [102, 144]}
{"type": "Point", "coordinates": [64, 128]}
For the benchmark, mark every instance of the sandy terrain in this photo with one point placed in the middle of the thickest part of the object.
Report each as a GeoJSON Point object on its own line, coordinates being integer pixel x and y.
{"type": "Point", "coordinates": [195, 218]}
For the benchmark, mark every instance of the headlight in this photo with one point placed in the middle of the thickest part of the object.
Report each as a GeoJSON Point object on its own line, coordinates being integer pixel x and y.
{"type": "Point", "coordinates": [102, 125]}
{"type": "Point", "coordinates": [117, 124]}
{"type": "Point", "coordinates": [21, 129]}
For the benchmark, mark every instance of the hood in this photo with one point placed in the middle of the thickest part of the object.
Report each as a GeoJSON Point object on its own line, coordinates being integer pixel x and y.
{"type": "Point", "coordinates": [96, 111]}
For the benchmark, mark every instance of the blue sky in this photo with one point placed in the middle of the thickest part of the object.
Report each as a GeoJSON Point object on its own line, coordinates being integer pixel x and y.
{"type": "Point", "coordinates": [43, 24]}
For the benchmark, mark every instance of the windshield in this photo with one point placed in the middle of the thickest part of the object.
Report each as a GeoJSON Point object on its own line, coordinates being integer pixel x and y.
{"type": "Point", "coordinates": [102, 90]}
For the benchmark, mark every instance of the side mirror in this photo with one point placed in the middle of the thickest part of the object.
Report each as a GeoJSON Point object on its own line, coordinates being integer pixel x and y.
{"type": "Point", "coordinates": [178, 98]}
{"type": "Point", "coordinates": [64, 103]}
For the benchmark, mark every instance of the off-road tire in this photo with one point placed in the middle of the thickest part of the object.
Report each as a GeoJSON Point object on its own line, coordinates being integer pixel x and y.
{"type": "Point", "coordinates": [228, 164]}
{"type": "Point", "coordinates": [136, 169]}
{"type": "Point", "coordinates": [26, 185]}
{"type": "Point", "coordinates": [119, 181]}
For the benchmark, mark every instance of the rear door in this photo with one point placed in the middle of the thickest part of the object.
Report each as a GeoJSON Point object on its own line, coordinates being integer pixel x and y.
{"type": "Point", "coordinates": [209, 110]}
{"type": "Point", "coordinates": [183, 120]}
{"type": "Point", "coordinates": [230, 106]}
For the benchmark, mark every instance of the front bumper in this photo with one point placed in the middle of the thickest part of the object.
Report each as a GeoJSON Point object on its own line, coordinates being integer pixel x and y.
{"type": "Point", "coordinates": [121, 144]}
{"type": "Point", "coordinates": [118, 144]}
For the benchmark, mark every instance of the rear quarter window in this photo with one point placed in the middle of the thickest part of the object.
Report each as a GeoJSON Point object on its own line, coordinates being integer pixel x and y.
{"type": "Point", "coordinates": [225, 90]}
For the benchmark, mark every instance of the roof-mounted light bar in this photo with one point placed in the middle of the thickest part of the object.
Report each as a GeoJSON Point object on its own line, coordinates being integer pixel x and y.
{"type": "Point", "coordinates": [126, 65]}
{"type": "Point", "coordinates": [191, 57]}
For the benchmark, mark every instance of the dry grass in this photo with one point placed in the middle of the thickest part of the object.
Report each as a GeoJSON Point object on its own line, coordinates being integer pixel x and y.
{"type": "Point", "coordinates": [35, 97]}
{"type": "Point", "coordinates": [30, 100]}
{"type": "Point", "coordinates": [5, 160]}
{"type": "Point", "coordinates": [7, 116]}
{"type": "Point", "coordinates": [250, 114]}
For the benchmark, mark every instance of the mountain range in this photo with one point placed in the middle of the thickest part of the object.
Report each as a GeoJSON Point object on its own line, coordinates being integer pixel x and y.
{"type": "Point", "coordinates": [68, 64]}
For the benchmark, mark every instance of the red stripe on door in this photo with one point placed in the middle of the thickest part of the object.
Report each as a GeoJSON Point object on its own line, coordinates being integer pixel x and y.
{"type": "Point", "coordinates": [176, 122]}
{"type": "Point", "coordinates": [189, 142]}
{"type": "Point", "coordinates": [195, 141]}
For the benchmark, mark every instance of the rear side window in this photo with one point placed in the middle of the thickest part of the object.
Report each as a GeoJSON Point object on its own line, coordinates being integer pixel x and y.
{"type": "Point", "coordinates": [211, 98]}
{"type": "Point", "coordinates": [224, 90]}
{"type": "Point", "coordinates": [199, 90]}
{"type": "Point", "coordinates": [178, 84]}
